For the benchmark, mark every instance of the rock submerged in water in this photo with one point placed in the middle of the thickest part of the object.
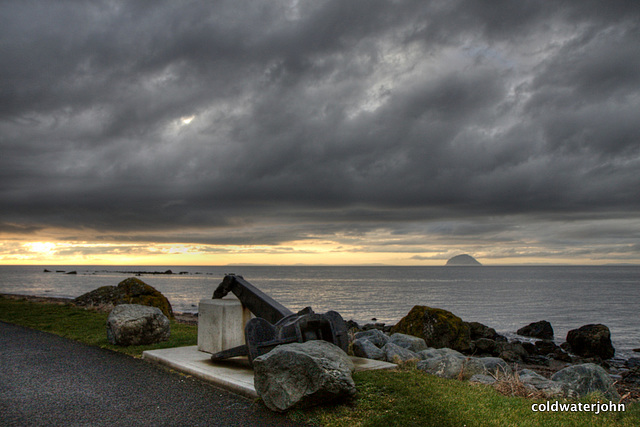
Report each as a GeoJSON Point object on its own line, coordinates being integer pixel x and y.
{"type": "Point", "coordinates": [129, 291]}
{"type": "Point", "coordinates": [464, 259]}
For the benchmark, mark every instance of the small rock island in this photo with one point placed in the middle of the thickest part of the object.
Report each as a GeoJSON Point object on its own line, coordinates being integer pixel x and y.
{"type": "Point", "coordinates": [463, 259]}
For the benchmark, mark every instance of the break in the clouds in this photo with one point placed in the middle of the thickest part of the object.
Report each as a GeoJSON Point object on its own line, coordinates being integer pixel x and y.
{"type": "Point", "coordinates": [505, 127]}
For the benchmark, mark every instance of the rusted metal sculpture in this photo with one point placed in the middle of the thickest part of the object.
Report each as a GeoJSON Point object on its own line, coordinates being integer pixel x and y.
{"type": "Point", "coordinates": [275, 324]}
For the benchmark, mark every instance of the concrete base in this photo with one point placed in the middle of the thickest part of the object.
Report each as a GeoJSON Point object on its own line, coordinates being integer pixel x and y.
{"type": "Point", "coordinates": [221, 324]}
{"type": "Point", "coordinates": [234, 374]}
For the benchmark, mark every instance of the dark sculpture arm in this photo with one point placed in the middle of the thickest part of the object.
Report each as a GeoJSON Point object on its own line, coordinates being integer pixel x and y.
{"type": "Point", "coordinates": [259, 303]}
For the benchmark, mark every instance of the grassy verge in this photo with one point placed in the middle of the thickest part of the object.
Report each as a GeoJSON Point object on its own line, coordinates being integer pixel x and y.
{"type": "Point", "coordinates": [87, 326]}
{"type": "Point", "coordinates": [408, 397]}
{"type": "Point", "coordinates": [405, 397]}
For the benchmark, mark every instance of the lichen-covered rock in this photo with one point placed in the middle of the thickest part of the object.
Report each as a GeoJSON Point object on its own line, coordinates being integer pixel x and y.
{"type": "Point", "coordinates": [439, 328]}
{"type": "Point", "coordinates": [580, 380]}
{"type": "Point", "coordinates": [541, 329]}
{"type": "Point", "coordinates": [129, 291]}
{"type": "Point", "coordinates": [409, 342]}
{"type": "Point", "coordinates": [303, 375]}
{"type": "Point", "coordinates": [591, 341]}
{"type": "Point", "coordinates": [133, 324]}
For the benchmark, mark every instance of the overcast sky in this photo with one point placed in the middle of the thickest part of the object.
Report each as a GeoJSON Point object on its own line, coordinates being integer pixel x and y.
{"type": "Point", "coordinates": [401, 132]}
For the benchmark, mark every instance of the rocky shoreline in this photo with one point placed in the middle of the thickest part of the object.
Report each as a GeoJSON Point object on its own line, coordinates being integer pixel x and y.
{"type": "Point", "coordinates": [534, 352]}
{"type": "Point", "coordinates": [537, 357]}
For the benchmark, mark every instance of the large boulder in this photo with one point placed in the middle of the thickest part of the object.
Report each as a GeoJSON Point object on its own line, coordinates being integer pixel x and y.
{"type": "Point", "coordinates": [439, 328]}
{"type": "Point", "coordinates": [133, 324]}
{"type": "Point", "coordinates": [303, 375]}
{"type": "Point", "coordinates": [129, 291]}
{"type": "Point", "coordinates": [591, 341]}
{"type": "Point", "coordinates": [580, 380]}
{"type": "Point", "coordinates": [541, 329]}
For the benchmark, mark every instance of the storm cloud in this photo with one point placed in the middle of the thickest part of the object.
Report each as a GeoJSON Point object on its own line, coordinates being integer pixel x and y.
{"type": "Point", "coordinates": [388, 125]}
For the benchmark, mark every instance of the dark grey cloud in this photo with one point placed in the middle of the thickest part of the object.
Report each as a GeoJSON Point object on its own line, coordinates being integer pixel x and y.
{"type": "Point", "coordinates": [233, 121]}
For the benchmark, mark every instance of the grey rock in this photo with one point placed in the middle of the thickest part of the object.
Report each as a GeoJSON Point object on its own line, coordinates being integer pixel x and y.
{"type": "Point", "coordinates": [492, 366]}
{"type": "Point", "coordinates": [539, 382]}
{"type": "Point", "coordinates": [409, 342]}
{"type": "Point", "coordinates": [541, 329]}
{"type": "Point", "coordinates": [440, 352]}
{"type": "Point", "coordinates": [580, 380]}
{"type": "Point", "coordinates": [444, 365]}
{"type": "Point", "coordinates": [591, 341]}
{"type": "Point", "coordinates": [133, 324]}
{"type": "Point", "coordinates": [362, 347]}
{"type": "Point", "coordinates": [376, 336]}
{"type": "Point", "coordinates": [302, 375]}
{"type": "Point", "coordinates": [393, 353]}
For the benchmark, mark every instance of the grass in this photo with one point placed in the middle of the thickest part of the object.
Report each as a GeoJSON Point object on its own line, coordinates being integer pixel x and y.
{"type": "Point", "coordinates": [408, 397]}
{"type": "Point", "coordinates": [402, 397]}
{"type": "Point", "coordinates": [83, 325]}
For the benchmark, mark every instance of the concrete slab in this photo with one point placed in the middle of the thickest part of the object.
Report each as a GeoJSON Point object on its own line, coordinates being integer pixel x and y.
{"type": "Point", "coordinates": [234, 374]}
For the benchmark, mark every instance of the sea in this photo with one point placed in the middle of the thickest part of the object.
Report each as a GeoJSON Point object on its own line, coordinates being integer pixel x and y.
{"type": "Point", "coordinates": [502, 297]}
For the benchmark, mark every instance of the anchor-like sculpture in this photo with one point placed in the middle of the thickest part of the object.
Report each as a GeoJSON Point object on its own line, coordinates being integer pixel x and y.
{"type": "Point", "coordinates": [275, 324]}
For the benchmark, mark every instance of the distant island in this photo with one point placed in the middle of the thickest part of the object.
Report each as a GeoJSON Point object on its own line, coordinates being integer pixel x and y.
{"type": "Point", "coordinates": [463, 260]}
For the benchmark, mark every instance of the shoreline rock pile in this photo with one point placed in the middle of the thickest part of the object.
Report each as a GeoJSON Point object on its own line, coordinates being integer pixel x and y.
{"type": "Point", "coordinates": [442, 344]}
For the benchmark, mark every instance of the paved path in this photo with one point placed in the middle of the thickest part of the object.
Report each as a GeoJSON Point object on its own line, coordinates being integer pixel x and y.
{"type": "Point", "coordinates": [52, 381]}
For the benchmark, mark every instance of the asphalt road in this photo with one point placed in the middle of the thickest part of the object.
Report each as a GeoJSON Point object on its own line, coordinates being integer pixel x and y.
{"type": "Point", "coordinates": [46, 380]}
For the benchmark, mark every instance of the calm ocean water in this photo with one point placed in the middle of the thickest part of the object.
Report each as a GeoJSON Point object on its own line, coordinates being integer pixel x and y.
{"type": "Point", "coordinates": [505, 298]}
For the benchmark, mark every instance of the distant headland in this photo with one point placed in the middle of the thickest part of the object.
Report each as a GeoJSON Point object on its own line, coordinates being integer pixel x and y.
{"type": "Point", "coordinates": [463, 260]}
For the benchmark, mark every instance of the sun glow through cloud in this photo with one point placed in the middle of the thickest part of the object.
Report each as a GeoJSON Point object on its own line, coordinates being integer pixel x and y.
{"type": "Point", "coordinates": [187, 120]}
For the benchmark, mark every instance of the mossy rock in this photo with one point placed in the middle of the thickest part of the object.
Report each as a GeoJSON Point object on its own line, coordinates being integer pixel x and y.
{"type": "Point", "coordinates": [439, 328]}
{"type": "Point", "coordinates": [129, 291]}
{"type": "Point", "coordinates": [135, 291]}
